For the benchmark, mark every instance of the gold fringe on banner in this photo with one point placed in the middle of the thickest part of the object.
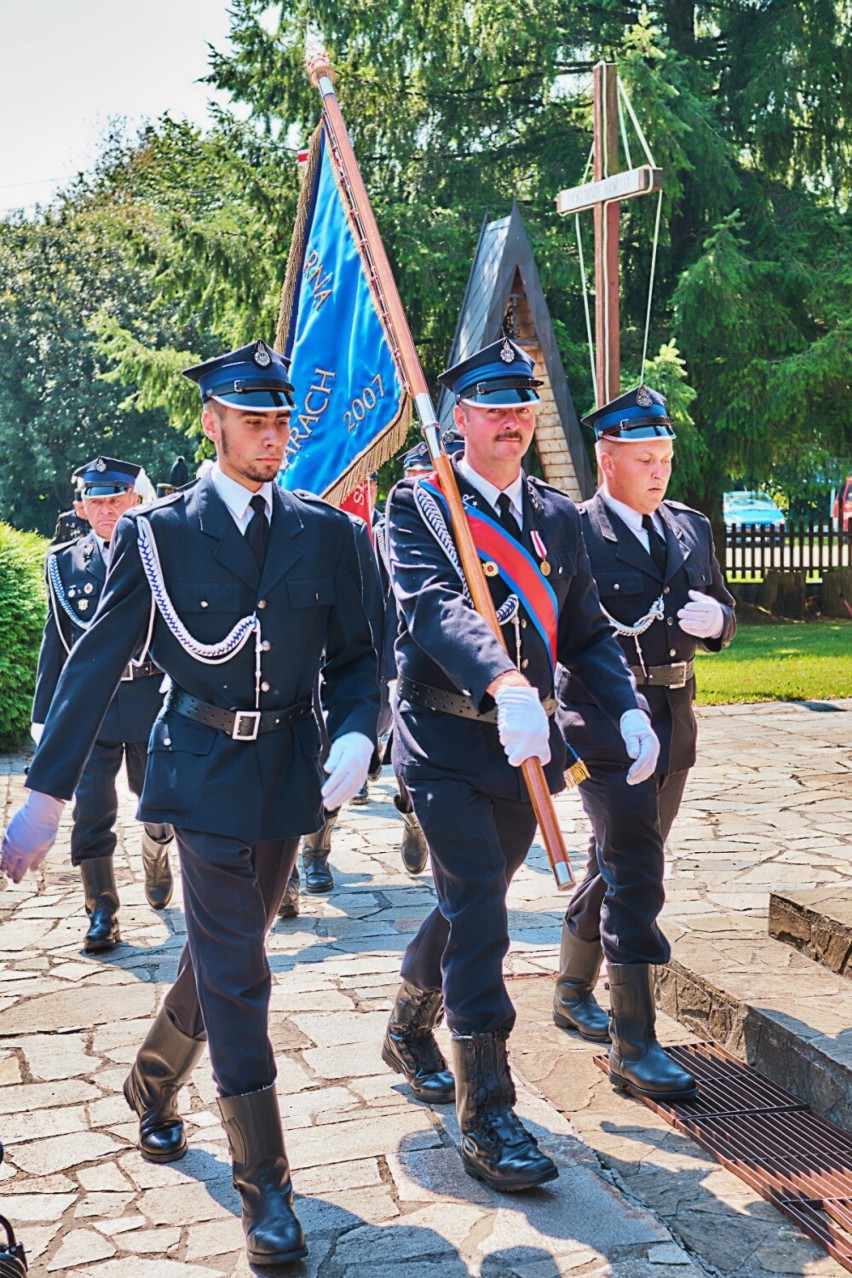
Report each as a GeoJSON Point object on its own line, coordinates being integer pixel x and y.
{"type": "Point", "coordinates": [393, 437]}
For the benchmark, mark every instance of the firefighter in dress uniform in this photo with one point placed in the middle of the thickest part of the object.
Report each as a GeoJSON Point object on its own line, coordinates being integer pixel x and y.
{"type": "Point", "coordinates": [663, 593]}
{"type": "Point", "coordinates": [248, 593]}
{"type": "Point", "coordinates": [468, 714]}
{"type": "Point", "coordinates": [75, 575]}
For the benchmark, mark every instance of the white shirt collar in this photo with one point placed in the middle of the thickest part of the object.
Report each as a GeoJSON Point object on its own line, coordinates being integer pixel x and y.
{"type": "Point", "coordinates": [515, 491]}
{"type": "Point", "coordinates": [237, 497]}
{"type": "Point", "coordinates": [631, 517]}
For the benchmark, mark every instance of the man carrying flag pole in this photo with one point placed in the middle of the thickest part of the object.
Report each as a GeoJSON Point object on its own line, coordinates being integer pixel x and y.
{"type": "Point", "coordinates": [472, 730]}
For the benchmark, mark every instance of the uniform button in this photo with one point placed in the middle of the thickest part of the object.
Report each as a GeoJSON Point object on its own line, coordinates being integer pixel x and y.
{"type": "Point", "coordinates": [261, 603]}
{"type": "Point", "coordinates": [523, 623]}
{"type": "Point", "coordinates": [264, 687]}
{"type": "Point", "coordinates": [616, 586]}
{"type": "Point", "coordinates": [167, 741]}
{"type": "Point", "coordinates": [669, 621]}
{"type": "Point", "coordinates": [672, 652]}
{"type": "Point", "coordinates": [525, 663]}
{"type": "Point", "coordinates": [265, 646]}
{"type": "Point", "coordinates": [666, 589]}
{"type": "Point", "coordinates": [203, 603]}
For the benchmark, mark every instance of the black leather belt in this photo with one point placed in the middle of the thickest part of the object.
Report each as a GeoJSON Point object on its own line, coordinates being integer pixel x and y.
{"type": "Point", "coordinates": [676, 675]}
{"type": "Point", "coordinates": [241, 725]}
{"type": "Point", "coordinates": [422, 694]}
{"type": "Point", "coordinates": [144, 671]}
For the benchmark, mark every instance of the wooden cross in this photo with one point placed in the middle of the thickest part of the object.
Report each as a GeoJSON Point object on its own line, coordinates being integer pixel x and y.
{"type": "Point", "coordinates": [604, 195]}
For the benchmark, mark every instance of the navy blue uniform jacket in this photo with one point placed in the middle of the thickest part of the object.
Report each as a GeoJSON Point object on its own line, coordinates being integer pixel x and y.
{"type": "Point", "coordinates": [133, 709]}
{"type": "Point", "coordinates": [628, 583]}
{"type": "Point", "coordinates": [443, 642]}
{"type": "Point", "coordinates": [308, 599]}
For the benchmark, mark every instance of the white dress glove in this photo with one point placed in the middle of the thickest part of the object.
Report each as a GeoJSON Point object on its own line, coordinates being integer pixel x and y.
{"type": "Point", "coordinates": [703, 617]}
{"type": "Point", "coordinates": [36, 729]}
{"type": "Point", "coordinates": [640, 742]}
{"type": "Point", "coordinates": [523, 726]}
{"type": "Point", "coordinates": [346, 765]}
{"type": "Point", "coordinates": [30, 835]}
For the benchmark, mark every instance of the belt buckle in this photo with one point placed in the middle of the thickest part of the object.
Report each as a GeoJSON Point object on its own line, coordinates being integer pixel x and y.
{"type": "Point", "coordinates": [681, 667]}
{"type": "Point", "coordinates": [127, 674]}
{"type": "Point", "coordinates": [253, 725]}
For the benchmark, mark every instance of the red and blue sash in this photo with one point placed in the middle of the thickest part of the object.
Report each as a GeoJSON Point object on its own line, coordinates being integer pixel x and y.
{"type": "Point", "coordinates": [514, 564]}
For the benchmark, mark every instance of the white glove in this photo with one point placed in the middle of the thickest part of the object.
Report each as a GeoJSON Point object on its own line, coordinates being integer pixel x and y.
{"type": "Point", "coordinates": [347, 764]}
{"type": "Point", "coordinates": [703, 618]}
{"type": "Point", "coordinates": [523, 726]}
{"type": "Point", "coordinates": [36, 729]}
{"type": "Point", "coordinates": [640, 742]}
{"type": "Point", "coordinates": [30, 835]}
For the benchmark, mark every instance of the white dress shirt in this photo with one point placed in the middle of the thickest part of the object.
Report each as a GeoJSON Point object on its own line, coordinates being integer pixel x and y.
{"type": "Point", "coordinates": [515, 491]}
{"type": "Point", "coordinates": [633, 519]}
{"type": "Point", "coordinates": [238, 498]}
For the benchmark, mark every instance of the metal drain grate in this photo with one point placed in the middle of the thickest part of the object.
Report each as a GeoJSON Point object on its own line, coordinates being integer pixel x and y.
{"type": "Point", "coordinates": [799, 1162]}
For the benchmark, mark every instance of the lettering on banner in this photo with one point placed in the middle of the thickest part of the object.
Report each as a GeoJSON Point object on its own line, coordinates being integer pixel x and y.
{"type": "Point", "coordinates": [364, 403]}
{"type": "Point", "coordinates": [315, 404]}
{"type": "Point", "coordinates": [319, 279]}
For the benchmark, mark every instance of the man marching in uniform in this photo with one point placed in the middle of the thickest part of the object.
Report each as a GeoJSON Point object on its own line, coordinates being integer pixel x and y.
{"type": "Point", "coordinates": [246, 593]}
{"type": "Point", "coordinates": [75, 575]}
{"type": "Point", "coordinates": [468, 714]}
{"type": "Point", "coordinates": [662, 590]}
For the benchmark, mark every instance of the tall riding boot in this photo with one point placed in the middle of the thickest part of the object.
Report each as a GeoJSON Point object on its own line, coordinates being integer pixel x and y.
{"type": "Point", "coordinates": [410, 1047]}
{"type": "Point", "coordinates": [101, 904]}
{"type": "Point", "coordinates": [163, 1065]}
{"type": "Point", "coordinates": [159, 883]}
{"type": "Point", "coordinates": [574, 1004]}
{"type": "Point", "coordinates": [315, 853]}
{"type": "Point", "coordinates": [415, 849]}
{"type": "Point", "coordinates": [636, 1057]}
{"type": "Point", "coordinates": [262, 1175]}
{"type": "Point", "coordinates": [289, 907]}
{"type": "Point", "coordinates": [496, 1147]}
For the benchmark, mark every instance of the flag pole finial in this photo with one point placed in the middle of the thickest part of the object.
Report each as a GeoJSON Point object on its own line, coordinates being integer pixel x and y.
{"type": "Point", "coordinates": [319, 67]}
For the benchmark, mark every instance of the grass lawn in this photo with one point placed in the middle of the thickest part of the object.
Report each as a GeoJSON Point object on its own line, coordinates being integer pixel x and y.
{"type": "Point", "coordinates": [810, 662]}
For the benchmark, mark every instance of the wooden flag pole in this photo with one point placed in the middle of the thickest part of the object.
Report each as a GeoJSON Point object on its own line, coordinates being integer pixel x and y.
{"type": "Point", "coordinates": [321, 75]}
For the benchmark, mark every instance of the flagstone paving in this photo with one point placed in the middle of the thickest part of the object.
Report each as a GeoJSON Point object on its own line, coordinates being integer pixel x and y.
{"type": "Point", "coordinates": [380, 1185]}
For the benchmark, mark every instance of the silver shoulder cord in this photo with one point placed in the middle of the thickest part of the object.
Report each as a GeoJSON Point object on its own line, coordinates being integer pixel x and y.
{"type": "Point", "coordinates": [433, 517]}
{"type": "Point", "coordinates": [58, 600]}
{"type": "Point", "coordinates": [655, 613]}
{"type": "Point", "coordinates": [210, 654]}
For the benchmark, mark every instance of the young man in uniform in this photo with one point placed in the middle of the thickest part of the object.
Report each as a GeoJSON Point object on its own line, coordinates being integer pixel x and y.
{"type": "Point", "coordinates": [75, 575]}
{"type": "Point", "coordinates": [662, 590]}
{"type": "Point", "coordinates": [248, 592]}
{"type": "Point", "coordinates": [469, 713]}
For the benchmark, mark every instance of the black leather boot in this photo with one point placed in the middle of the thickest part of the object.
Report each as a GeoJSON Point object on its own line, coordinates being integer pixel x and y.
{"type": "Point", "coordinates": [636, 1057]}
{"type": "Point", "coordinates": [159, 883]}
{"type": "Point", "coordinates": [574, 1003]}
{"type": "Point", "coordinates": [410, 1048]}
{"type": "Point", "coordinates": [415, 849]}
{"type": "Point", "coordinates": [496, 1147]}
{"type": "Point", "coordinates": [101, 905]}
{"type": "Point", "coordinates": [315, 853]}
{"type": "Point", "coordinates": [289, 907]}
{"type": "Point", "coordinates": [262, 1176]}
{"type": "Point", "coordinates": [163, 1065]}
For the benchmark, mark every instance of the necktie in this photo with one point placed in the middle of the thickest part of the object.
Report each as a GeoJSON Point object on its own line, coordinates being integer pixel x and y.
{"type": "Point", "coordinates": [656, 544]}
{"type": "Point", "coordinates": [258, 529]}
{"type": "Point", "coordinates": [507, 519]}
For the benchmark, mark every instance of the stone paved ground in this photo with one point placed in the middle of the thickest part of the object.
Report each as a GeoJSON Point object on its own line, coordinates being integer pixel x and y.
{"type": "Point", "coordinates": [380, 1185]}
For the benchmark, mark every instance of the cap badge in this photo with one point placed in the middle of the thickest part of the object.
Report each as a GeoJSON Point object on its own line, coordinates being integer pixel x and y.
{"type": "Point", "coordinates": [261, 356]}
{"type": "Point", "coordinates": [100, 465]}
{"type": "Point", "coordinates": [507, 354]}
{"type": "Point", "coordinates": [643, 397]}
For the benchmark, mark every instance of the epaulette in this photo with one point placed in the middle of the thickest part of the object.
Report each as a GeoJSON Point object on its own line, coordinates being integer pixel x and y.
{"type": "Point", "coordinates": [679, 505]}
{"type": "Point", "coordinates": [62, 545]}
{"type": "Point", "coordinates": [305, 494]}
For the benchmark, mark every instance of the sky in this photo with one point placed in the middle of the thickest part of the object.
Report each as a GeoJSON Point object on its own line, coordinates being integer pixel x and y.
{"type": "Point", "coordinates": [67, 67]}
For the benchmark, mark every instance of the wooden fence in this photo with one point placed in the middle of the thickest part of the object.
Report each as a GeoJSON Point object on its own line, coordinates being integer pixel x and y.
{"type": "Point", "coordinates": [751, 550]}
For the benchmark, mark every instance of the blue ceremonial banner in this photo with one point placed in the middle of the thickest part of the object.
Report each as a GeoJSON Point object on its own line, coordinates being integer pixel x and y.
{"type": "Point", "coordinates": [352, 412]}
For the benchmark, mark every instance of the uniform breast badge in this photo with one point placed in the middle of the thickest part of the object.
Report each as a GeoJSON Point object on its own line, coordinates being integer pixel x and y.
{"type": "Point", "coordinates": [82, 604]}
{"type": "Point", "coordinates": [490, 568]}
{"type": "Point", "coordinates": [541, 551]}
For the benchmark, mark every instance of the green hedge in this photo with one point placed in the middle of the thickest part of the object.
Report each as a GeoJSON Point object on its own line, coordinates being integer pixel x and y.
{"type": "Point", "coordinates": [22, 613]}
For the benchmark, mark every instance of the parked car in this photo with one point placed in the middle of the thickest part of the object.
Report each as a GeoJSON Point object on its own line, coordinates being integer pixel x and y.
{"type": "Point", "coordinates": [749, 507]}
{"type": "Point", "coordinates": [842, 513]}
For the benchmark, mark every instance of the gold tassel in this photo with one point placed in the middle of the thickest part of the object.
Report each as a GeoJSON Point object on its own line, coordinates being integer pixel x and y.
{"type": "Point", "coordinates": [577, 773]}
